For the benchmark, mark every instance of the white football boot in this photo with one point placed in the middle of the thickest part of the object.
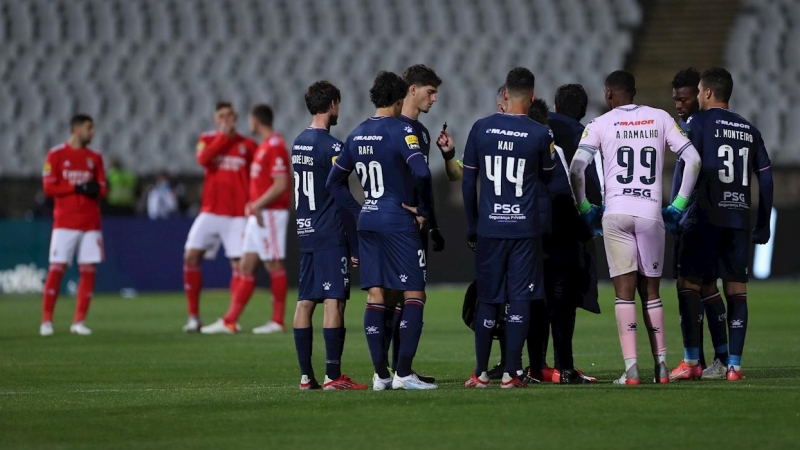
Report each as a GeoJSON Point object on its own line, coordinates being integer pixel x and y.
{"type": "Point", "coordinates": [46, 329]}
{"type": "Point", "coordinates": [220, 327]}
{"type": "Point", "coordinates": [269, 328]}
{"type": "Point", "coordinates": [193, 325]}
{"type": "Point", "coordinates": [80, 329]}
{"type": "Point", "coordinates": [411, 382]}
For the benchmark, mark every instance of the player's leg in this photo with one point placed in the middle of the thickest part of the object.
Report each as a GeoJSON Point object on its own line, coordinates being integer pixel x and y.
{"type": "Point", "coordinates": [649, 236]}
{"type": "Point", "coordinates": [536, 342]}
{"type": "Point", "coordinates": [304, 342]}
{"type": "Point", "coordinates": [371, 270]}
{"type": "Point", "coordinates": [90, 253]}
{"type": "Point", "coordinates": [391, 317]}
{"type": "Point", "coordinates": [734, 259]}
{"type": "Point", "coordinates": [697, 265]}
{"type": "Point", "coordinates": [490, 268]}
{"type": "Point", "coordinates": [406, 270]}
{"type": "Point", "coordinates": [524, 285]}
{"type": "Point", "coordinates": [718, 327]}
{"type": "Point", "coordinates": [243, 273]}
{"type": "Point", "coordinates": [203, 237]}
{"type": "Point", "coordinates": [622, 256]}
{"type": "Point", "coordinates": [63, 244]}
{"type": "Point", "coordinates": [274, 252]}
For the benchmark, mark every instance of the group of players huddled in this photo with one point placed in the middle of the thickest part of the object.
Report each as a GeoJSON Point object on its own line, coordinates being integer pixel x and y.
{"type": "Point", "coordinates": [532, 210]}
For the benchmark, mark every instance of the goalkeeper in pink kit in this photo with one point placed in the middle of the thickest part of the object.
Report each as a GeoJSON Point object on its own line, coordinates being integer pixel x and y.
{"type": "Point", "coordinates": [631, 139]}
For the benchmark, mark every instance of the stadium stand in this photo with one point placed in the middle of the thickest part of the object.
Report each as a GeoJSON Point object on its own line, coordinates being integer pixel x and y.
{"type": "Point", "coordinates": [764, 57]}
{"type": "Point", "coordinates": [150, 70]}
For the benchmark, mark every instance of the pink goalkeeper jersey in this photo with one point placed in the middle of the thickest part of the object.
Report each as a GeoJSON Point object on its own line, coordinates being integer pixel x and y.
{"type": "Point", "coordinates": [631, 140]}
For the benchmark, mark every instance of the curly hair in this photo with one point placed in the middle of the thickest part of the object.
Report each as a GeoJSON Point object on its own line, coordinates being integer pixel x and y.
{"type": "Point", "coordinates": [387, 89]}
{"type": "Point", "coordinates": [571, 100]}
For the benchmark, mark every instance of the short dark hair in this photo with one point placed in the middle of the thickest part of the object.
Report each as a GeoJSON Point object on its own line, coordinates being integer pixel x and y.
{"type": "Point", "coordinates": [223, 104]}
{"type": "Point", "coordinates": [572, 100]}
{"type": "Point", "coordinates": [622, 80]}
{"type": "Point", "coordinates": [719, 81]}
{"type": "Point", "coordinates": [387, 89]}
{"type": "Point", "coordinates": [519, 81]}
{"type": "Point", "coordinates": [538, 111]}
{"type": "Point", "coordinates": [320, 95]}
{"type": "Point", "coordinates": [500, 91]}
{"type": "Point", "coordinates": [689, 77]}
{"type": "Point", "coordinates": [421, 75]}
{"type": "Point", "coordinates": [263, 114]}
{"type": "Point", "coordinates": [79, 119]}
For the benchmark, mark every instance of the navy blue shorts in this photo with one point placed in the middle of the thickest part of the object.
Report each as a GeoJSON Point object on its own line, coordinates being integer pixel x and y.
{"type": "Point", "coordinates": [709, 252]}
{"type": "Point", "coordinates": [325, 274]}
{"type": "Point", "coordinates": [509, 270]}
{"type": "Point", "coordinates": [392, 261]}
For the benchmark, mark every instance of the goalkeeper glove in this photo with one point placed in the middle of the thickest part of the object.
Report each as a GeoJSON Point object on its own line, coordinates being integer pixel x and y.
{"type": "Point", "coordinates": [673, 213]}
{"type": "Point", "coordinates": [592, 215]}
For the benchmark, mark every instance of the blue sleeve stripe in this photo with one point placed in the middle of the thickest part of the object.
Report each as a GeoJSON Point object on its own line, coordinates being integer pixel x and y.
{"type": "Point", "coordinates": [683, 148]}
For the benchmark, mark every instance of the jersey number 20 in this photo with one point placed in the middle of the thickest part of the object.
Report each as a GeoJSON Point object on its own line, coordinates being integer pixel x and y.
{"type": "Point", "coordinates": [371, 174]}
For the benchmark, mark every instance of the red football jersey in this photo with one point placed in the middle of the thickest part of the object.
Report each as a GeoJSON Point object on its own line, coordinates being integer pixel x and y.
{"type": "Point", "coordinates": [64, 168]}
{"type": "Point", "coordinates": [271, 160]}
{"type": "Point", "coordinates": [227, 163]}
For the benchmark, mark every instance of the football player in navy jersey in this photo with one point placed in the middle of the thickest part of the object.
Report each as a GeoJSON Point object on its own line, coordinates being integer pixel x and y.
{"type": "Point", "coordinates": [385, 153]}
{"type": "Point", "coordinates": [684, 94]}
{"type": "Point", "coordinates": [327, 238]}
{"type": "Point", "coordinates": [511, 155]}
{"type": "Point", "coordinates": [423, 85]}
{"type": "Point", "coordinates": [716, 236]}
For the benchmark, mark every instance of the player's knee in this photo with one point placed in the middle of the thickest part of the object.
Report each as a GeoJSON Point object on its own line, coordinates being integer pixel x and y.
{"type": "Point", "coordinates": [274, 266]}
{"type": "Point", "coordinates": [192, 257]}
{"type": "Point", "coordinates": [57, 267]}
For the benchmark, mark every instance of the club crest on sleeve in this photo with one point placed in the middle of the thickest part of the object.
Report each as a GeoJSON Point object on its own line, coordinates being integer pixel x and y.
{"type": "Point", "coordinates": [47, 169]}
{"type": "Point", "coordinates": [201, 145]}
{"type": "Point", "coordinates": [337, 147]}
{"type": "Point", "coordinates": [585, 134]}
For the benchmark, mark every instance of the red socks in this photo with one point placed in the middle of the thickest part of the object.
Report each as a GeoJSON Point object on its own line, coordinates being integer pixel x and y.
{"type": "Point", "coordinates": [279, 288]}
{"type": "Point", "coordinates": [51, 288]}
{"type": "Point", "coordinates": [85, 291]}
{"type": "Point", "coordinates": [245, 286]}
{"type": "Point", "coordinates": [192, 284]}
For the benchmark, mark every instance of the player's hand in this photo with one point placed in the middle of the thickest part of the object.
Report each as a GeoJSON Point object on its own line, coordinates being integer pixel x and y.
{"type": "Point", "coordinates": [761, 235]}
{"type": "Point", "coordinates": [257, 212]}
{"type": "Point", "coordinates": [438, 239]}
{"type": "Point", "coordinates": [417, 213]}
{"type": "Point", "coordinates": [354, 261]}
{"type": "Point", "coordinates": [89, 189]}
{"type": "Point", "coordinates": [445, 142]}
{"type": "Point", "coordinates": [592, 215]}
{"type": "Point", "coordinates": [472, 240]}
{"type": "Point", "coordinates": [672, 216]}
{"type": "Point", "coordinates": [248, 208]}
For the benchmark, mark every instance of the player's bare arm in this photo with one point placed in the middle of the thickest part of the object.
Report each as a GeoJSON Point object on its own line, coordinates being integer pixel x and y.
{"type": "Point", "coordinates": [279, 185]}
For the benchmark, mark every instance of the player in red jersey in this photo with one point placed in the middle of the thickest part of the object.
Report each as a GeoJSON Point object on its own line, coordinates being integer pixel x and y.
{"type": "Point", "coordinates": [74, 176]}
{"type": "Point", "coordinates": [265, 232]}
{"type": "Point", "coordinates": [226, 157]}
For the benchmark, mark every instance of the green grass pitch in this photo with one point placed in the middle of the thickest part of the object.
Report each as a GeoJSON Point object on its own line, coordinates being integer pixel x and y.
{"type": "Point", "coordinates": [139, 383]}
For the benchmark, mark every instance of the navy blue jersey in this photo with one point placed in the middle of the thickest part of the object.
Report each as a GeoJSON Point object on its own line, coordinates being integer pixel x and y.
{"type": "Point", "coordinates": [511, 154]}
{"type": "Point", "coordinates": [424, 137]}
{"type": "Point", "coordinates": [319, 225]}
{"type": "Point", "coordinates": [567, 135]}
{"type": "Point", "coordinates": [731, 149]}
{"type": "Point", "coordinates": [379, 150]}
